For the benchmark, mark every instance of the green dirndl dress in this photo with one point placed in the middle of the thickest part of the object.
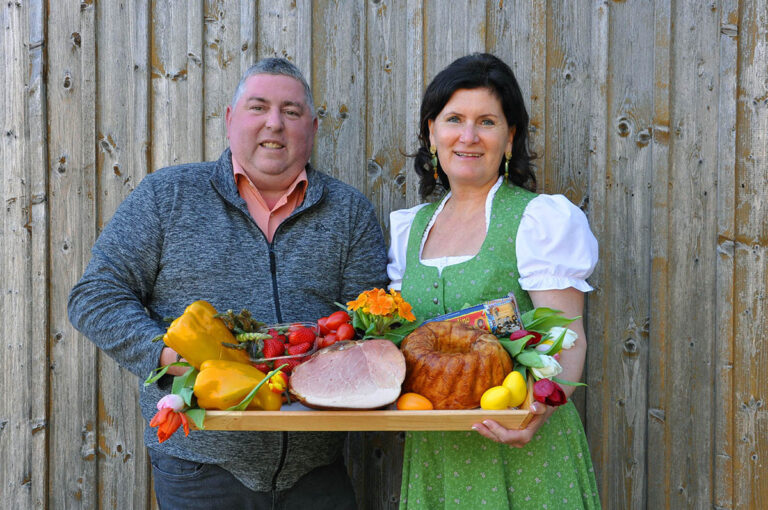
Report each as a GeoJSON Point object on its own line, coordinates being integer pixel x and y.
{"type": "Point", "coordinates": [464, 469]}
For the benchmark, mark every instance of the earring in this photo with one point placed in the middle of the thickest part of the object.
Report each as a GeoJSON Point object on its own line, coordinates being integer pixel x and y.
{"type": "Point", "coordinates": [433, 151]}
{"type": "Point", "coordinates": [507, 157]}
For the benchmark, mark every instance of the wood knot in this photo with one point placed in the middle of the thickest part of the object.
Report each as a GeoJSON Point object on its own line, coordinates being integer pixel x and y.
{"type": "Point", "coordinates": [623, 126]}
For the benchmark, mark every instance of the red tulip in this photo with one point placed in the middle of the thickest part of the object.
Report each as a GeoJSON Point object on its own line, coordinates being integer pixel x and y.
{"type": "Point", "coordinates": [167, 422]}
{"type": "Point", "coordinates": [549, 393]}
{"type": "Point", "coordinates": [520, 333]}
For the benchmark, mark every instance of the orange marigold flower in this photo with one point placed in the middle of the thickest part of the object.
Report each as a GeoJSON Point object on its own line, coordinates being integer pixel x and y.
{"type": "Point", "coordinates": [381, 303]}
{"type": "Point", "coordinates": [360, 302]}
{"type": "Point", "coordinates": [404, 310]}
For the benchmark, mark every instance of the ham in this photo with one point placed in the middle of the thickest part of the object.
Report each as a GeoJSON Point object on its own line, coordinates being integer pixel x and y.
{"type": "Point", "coordinates": [350, 375]}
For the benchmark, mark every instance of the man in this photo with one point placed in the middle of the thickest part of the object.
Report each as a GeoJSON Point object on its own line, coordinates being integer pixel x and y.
{"type": "Point", "coordinates": [257, 229]}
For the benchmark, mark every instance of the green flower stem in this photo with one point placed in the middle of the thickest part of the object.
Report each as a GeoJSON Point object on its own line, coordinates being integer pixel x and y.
{"type": "Point", "coordinates": [248, 398]}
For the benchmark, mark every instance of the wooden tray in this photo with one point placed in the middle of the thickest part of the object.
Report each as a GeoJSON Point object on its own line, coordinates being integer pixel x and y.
{"type": "Point", "coordinates": [304, 420]}
{"type": "Point", "coordinates": [297, 417]}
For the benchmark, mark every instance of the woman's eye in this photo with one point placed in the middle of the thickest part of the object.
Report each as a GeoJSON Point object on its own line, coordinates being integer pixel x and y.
{"type": "Point", "coordinates": [452, 118]}
{"type": "Point", "coordinates": [488, 122]}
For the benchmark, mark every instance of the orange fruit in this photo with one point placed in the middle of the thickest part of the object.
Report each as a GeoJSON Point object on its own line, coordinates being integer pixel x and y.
{"type": "Point", "coordinates": [413, 402]}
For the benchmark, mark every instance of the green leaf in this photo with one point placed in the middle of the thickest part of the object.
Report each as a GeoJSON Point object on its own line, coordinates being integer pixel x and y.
{"type": "Point", "coordinates": [555, 347]}
{"type": "Point", "coordinates": [243, 405]}
{"type": "Point", "coordinates": [515, 347]}
{"type": "Point", "coordinates": [395, 339]}
{"type": "Point", "coordinates": [187, 394]}
{"type": "Point", "coordinates": [544, 324]}
{"type": "Point", "coordinates": [567, 383]}
{"type": "Point", "coordinates": [537, 313]}
{"type": "Point", "coordinates": [523, 371]}
{"type": "Point", "coordinates": [530, 358]}
{"type": "Point", "coordinates": [197, 416]}
{"type": "Point", "coordinates": [186, 380]}
{"type": "Point", "coordinates": [359, 321]}
{"type": "Point", "coordinates": [159, 372]}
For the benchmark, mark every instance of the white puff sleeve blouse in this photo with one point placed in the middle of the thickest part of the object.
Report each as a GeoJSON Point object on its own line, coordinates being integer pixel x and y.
{"type": "Point", "coordinates": [554, 245]}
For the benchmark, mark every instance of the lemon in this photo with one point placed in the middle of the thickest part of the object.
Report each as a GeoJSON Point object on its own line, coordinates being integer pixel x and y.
{"type": "Point", "coordinates": [518, 390]}
{"type": "Point", "coordinates": [495, 398]}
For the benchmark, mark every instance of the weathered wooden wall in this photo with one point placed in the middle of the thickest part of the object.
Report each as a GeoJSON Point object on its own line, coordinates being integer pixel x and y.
{"type": "Point", "coordinates": [652, 115]}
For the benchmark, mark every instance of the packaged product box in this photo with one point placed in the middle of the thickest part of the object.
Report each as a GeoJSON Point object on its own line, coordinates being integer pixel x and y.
{"type": "Point", "coordinates": [499, 316]}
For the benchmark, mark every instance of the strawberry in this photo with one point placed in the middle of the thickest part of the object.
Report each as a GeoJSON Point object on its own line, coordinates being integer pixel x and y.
{"type": "Point", "coordinates": [300, 348]}
{"type": "Point", "coordinates": [300, 336]}
{"type": "Point", "coordinates": [273, 347]}
{"type": "Point", "coordinates": [292, 363]}
{"type": "Point", "coordinates": [264, 367]}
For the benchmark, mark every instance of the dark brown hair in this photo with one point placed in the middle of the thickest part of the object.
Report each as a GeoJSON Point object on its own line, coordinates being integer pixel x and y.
{"type": "Point", "coordinates": [478, 70]}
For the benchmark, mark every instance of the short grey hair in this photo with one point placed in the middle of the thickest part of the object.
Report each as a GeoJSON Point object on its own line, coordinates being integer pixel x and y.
{"type": "Point", "coordinates": [277, 67]}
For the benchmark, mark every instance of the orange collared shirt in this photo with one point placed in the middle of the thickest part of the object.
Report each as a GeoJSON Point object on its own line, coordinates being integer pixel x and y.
{"type": "Point", "coordinates": [269, 219]}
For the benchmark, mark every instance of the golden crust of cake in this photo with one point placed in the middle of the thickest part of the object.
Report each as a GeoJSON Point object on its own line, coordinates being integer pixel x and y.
{"type": "Point", "coordinates": [452, 364]}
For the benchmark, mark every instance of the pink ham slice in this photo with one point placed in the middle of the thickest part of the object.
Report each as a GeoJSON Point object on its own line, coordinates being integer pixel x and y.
{"type": "Point", "coordinates": [350, 375]}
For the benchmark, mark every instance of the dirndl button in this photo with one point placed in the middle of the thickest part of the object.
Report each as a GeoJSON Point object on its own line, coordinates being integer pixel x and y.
{"type": "Point", "coordinates": [436, 284]}
{"type": "Point", "coordinates": [435, 300]}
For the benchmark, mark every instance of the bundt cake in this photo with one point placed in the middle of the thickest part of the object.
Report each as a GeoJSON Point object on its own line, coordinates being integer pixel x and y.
{"type": "Point", "coordinates": [452, 364]}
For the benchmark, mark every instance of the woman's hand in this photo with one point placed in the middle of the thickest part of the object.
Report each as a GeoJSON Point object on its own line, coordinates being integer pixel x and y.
{"type": "Point", "coordinates": [571, 302]}
{"type": "Point", "coordinates": [517, 438]}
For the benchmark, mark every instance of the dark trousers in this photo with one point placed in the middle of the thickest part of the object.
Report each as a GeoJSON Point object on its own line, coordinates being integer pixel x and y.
{"type": "Point", "coordinates": [181, 484]}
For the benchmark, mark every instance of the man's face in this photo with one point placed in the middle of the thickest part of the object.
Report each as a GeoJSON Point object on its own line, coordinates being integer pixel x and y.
{"type": "Point", "coordinates": [271, 130]}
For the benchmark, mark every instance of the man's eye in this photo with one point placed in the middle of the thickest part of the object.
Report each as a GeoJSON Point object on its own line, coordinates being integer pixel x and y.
{"type": "Point", "coordinates": [293, 113]}
{"type": "Point", "coordinates": [257, 108]}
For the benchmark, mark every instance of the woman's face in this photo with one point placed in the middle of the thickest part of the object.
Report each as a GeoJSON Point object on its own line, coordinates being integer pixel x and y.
{"type": "Point", "coordinates": [471, 135]}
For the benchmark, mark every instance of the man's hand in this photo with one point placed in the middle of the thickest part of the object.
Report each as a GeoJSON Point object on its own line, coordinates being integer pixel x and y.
{"type": "Point", "coordinates": [168, 356]}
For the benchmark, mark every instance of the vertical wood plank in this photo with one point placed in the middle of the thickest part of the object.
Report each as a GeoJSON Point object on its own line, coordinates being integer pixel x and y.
{"type": "Point", "coordinates": [750, 311]}
{"type": "Point", "coordinates": [517, 34]}
{"type": "Point", "coordinates": [618, 354]}
{"type": "Point", "coordinates": [176, 60]}
{"type": "Point", "coordinates": [338, 82]}
{"type": "Point", "coordinates": [386, 111]}
{"type": "Point", "coordinates": [285, 30]}
{"type": "Point", "coordinates": [230, 48]}
{"type": "Point", "coordinates": [24, 269]}
{"type": "Point", "coordinates": [724, 405]}
{"type": "Point", "coordinates": [598, 322]}
{"type": "Point", "coordinates": [122, 125]}
{"type": "Point", "coordinates": [415, 81]}
{"type": "Point", "coordinates": [691, 233]}
{"type": "Point", "coordinates": [567, 118]}
{"type": "Point", "coordinates": [71, 156]}
{"type": "Point", "coordinates": [660, 266]}
{"type": "Point", "coordinates": [452, 32]}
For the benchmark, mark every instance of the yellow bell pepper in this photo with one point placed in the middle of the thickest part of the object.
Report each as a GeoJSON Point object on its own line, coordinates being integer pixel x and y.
{"type": "Point", "coordinates": [224, 384]}
{"type": "Point", "coordinates": [197, 335]}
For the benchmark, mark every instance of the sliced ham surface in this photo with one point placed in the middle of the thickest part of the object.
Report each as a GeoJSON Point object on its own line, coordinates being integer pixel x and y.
{"type": "Point", "coordinates": [350, 375]}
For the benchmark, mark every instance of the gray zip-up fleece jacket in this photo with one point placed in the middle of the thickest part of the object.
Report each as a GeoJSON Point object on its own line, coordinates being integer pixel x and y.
{"type": "Point", "coordinates": [185, 234]}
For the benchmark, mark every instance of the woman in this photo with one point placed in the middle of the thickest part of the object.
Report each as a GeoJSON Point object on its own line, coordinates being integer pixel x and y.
{"type": "Point", "coordinates": [488, 236]}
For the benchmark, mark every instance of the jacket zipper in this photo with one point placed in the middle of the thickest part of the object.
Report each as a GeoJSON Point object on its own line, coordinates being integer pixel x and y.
{"type": "Point", "coordinates": [273, 270]}
{"type": "Point", "coordinates": [284, 439]}
{"type": "Point", "coordinates": [279, 315]}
